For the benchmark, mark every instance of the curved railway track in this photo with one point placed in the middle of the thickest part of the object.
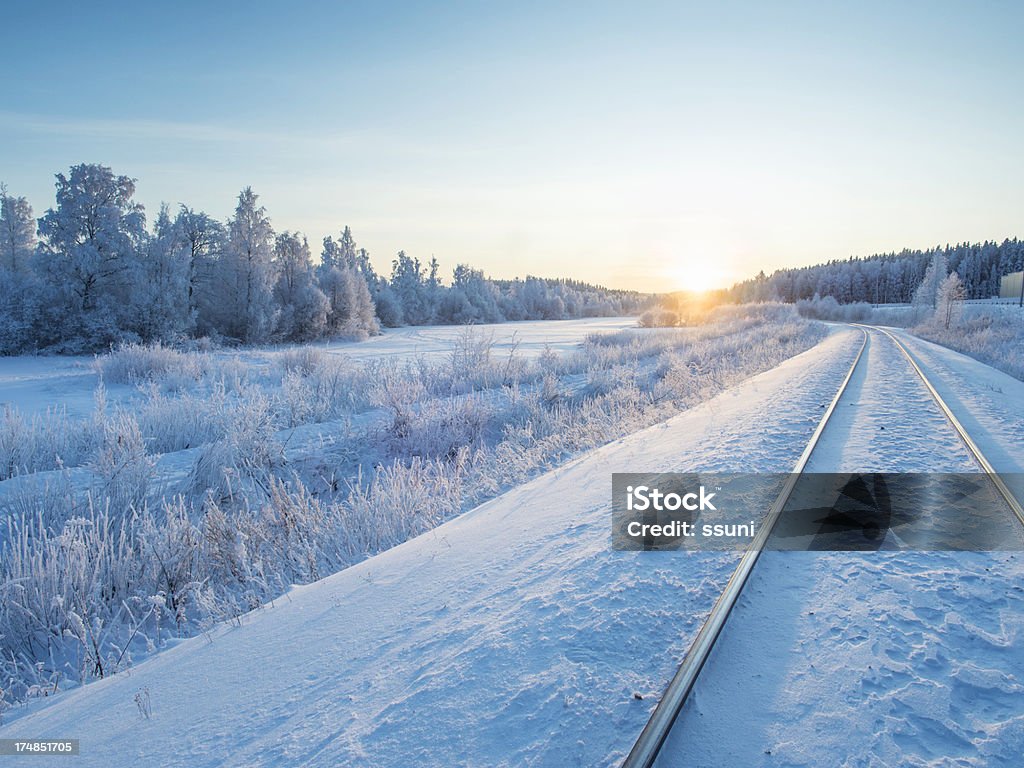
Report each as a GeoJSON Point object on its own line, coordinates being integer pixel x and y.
{"type": "Point", "coordinates": [648, 745]}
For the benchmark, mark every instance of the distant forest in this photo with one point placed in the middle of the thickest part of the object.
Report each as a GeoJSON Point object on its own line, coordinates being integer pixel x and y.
{"type": "Point", "coordinates": [92, 272]}
{"type": "Point", "coordinates": [889, 278]}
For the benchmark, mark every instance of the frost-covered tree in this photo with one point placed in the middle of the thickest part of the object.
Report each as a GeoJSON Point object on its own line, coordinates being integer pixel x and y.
{"type": "Point", "coordinates": [98, 276]}
{"type": "Point", "coordinates": [950, 301]}
{"type": "Point", "coordinates": [433, 290]}
{"type": "Point", "coordinates": [410, 289]}
{"type": "Point", "coordinates": [344, 256]}
{"type": "Point", "coordinates": [389, 309]}
{"type": "Point", "coordinates": [163, 293]}
{"type": "Point", "coordinates": [345, 278]}
{"type": "Point", "coordinates": [20, 312]}
{"type": "Point", "coordinates": [471, 299]}
{"type": "Point", "coordinates": [17, 233]}
{"type": "Point", "coordinates": [351, 310]}
{"type": "Point", "coordinates": [344, 253]}
{"type": "Point", "coordinates": [91, 255]}
{"type": "Point", "coordinates": [366, 268]}
{"type": "Point", "coordinates": [246, 273]}
{"type": "Point", "coordinates": [927, 293]}
{"type": "Point", "coordinates": [20, 295]}
{"type": "Point", "coordinates": [330, 256]}
{"type": "Point", "coordinates": [303, 307]}
{"type": "Point", "coordinates": [889, 278]}
{"type": "Point", "coordinates": [541, 300]}
{"type": "Point", "coordinates": [204, 238]}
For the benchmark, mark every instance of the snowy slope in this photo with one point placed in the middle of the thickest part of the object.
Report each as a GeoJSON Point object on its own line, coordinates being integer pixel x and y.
{"type": "Point", "coordinates": [881, 658]}
{"type": "Point", "coordinates": [512, 635]}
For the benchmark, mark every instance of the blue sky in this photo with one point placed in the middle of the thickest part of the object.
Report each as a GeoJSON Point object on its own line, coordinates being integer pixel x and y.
{"type": "Point", "coordinates": [651, 146]}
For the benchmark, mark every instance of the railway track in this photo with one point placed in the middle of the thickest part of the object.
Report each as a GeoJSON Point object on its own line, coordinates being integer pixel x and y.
{"type": "Point", "coordinates": [648, 745]}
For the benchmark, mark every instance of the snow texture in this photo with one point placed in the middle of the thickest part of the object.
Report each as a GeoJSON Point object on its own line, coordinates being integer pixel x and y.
{"type": "Point", "coordinates": [882, 658]}
{"type": "Point", "coordinates": [512, 635]}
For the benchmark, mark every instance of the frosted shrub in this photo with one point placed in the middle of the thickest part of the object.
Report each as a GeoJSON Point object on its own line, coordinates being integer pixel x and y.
{"type": "Point", "coordinates": [260, 550]}
{"type": "Point", "coordinates": [13, 443]}
{"type": "Point", "coordinates": [398, 392]}
{"type": "Point", "coordinates": [51, 498]}
{"type": "Point", "coordinates": [753, 314]}
{"type": "Point", "coordinates": [170, 548]}
{"type": "Point", "coordinates": [400, 502]}
{"type": "Point", "coordinates": [223, 549]}
{"type": "Point", "coordinates": [551, 390]}
{"type": "Point", "coordinates": [299, 404]}
{"type": "Point", "coordinates": [335, 384]}
{"type": "Point", "coordinates": [471, 354]}
{"type": "Point", "coordinates": [186, 421]}
{"type": "Point", "coordinates": [64, 595]}
{"type": "Point", "coordinates": [315, 394]}
{"type": "Point", "coordinates": [243, 459]}
{"type": "Point", "coordinates": [659, 318]}
{"type": "Point", "coordinates": [514, 370]}
{"type": "Point", "coordinates": [440, 428]}
{"type": "Point", "coordinates": [602, 380]}
{"type": "Point", "coordinates": [994, 338]}
{"type": "Point", "coordinates": [202, 344]}
{"type": "Point", "coordinates": [40, 442]}
{"type": "Point", "coordinates": [232, 373]}
{"type": "Point", "coordinates": [138, 363]}
{"type": "Point", "coordinates": [828, 308]}
{"type": "Point", "coordinates": [549, 361]}
{"type": "Point", "coordinates": [121, 464]}
{"type": "Point", "coordinates": [632, 346]}
{"type": "Point", "coordinates": [173, 420]}
{"type": "Point", "coordinates": [297, 522]}
{"type": "Point", "coordinates": [303, 360]}
{"type": "Point", "coordinates": [677, 378]}
{"type": "Point", "coordinates": [254, 553]}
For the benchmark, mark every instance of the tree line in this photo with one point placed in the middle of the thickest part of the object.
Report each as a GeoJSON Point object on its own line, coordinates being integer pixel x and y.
{"type": "Point", "coordinates": [91, 272]}
{"type": "Point", "coordinates": [890, 278]}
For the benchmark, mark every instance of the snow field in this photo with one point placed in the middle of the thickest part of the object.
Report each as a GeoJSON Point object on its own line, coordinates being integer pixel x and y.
{"type": "Point", "coordinates": [105, 563]}
{"type": "Point", "coordinates": [511, 635]}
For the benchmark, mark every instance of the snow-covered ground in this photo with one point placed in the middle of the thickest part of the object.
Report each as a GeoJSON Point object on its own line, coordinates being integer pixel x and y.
{"type": "Point", "coordinates": [33, 384]}
{"type": "Point", "coordinates": [530, 338]}
{"type": "Point", "coordinates": [882, 658]}
{"type": "Point", "coordinates": [989, 403]}
{"type": "Point", "coordinates": [229, 480]}
{"type": "Point", "coordinates": [511, 635]}
{"type": "Point", "coordinates": [514, 634]}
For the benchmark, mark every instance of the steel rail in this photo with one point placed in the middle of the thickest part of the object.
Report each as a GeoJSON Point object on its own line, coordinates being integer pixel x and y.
{"type": "Point", "coordinates": [648, 744]}
{"type": "Point", "coordinates": [972, 447]}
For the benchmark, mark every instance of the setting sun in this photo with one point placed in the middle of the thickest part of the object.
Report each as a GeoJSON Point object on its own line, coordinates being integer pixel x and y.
{"type": "Point", "coordinates": [697, 276]}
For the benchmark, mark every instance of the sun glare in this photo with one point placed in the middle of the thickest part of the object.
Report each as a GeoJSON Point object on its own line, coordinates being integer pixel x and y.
{"type": "Point", "coordinates": [697, 276]}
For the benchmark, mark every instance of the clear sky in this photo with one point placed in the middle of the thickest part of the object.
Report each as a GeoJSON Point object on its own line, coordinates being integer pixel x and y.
{"type": "Point", "coordinates": [640, 145]}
